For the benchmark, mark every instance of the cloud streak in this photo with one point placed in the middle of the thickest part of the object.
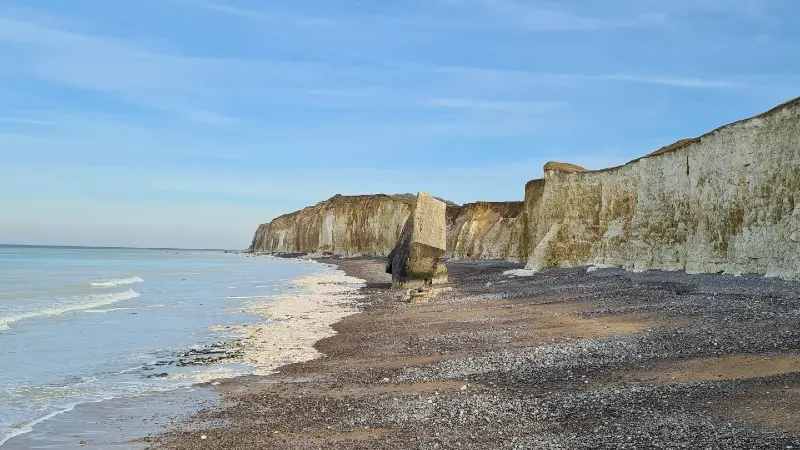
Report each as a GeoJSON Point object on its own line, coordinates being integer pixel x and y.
{"type": "Point", "coordinates": [249, 108]}
{"type": "Point", "coordinates": [482, 76]}
{"type": "Point", "coordinates": [533, 17]}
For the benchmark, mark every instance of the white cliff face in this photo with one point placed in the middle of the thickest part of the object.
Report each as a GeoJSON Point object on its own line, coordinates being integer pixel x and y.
{"type": "Point", "coordinates": [371, 225]}
{"type": "Point", "coordinates": [486, 230]}
{"type": "Point", "coordinates": [348, 226]}
{"type": "Point", "coordinates": [725, 202]}
{"type": "Point", "coordinates": [728, 201]}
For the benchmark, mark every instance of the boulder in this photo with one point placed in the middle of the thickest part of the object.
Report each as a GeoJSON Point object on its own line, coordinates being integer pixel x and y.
{"type": "Point", "coordinates": [416, 259]}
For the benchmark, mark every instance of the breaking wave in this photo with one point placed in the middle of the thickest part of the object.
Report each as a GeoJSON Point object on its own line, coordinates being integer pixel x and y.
{"type": "Point", "coordinates": [119, 282]}
{"type": "Point", "coordinates": [82, 303]}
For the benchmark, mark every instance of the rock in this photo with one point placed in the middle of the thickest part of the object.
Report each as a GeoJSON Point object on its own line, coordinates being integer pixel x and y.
{"type": "Point", "coordinates": [341, 225]}
{"type": "Point", "coordinates": [158, 375]}
{"type": "Point", "coordinates": [371, 224]}
{"type": "Point", "coordinates": [486, 230]}
{"type": "Point", "coordinates": [726, 201]}
{"type": "Point", "coordinates": [415, 262]}
{"type": "Point", "coordinates": [551, 167]}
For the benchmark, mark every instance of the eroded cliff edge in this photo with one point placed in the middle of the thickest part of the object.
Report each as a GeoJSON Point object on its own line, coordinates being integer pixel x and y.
{"type": "Point", "coordinates": [487, 230]}
{"type": "Point", "coordinates": [726, 201]}
{"type": "Point", "coordinates": [344, 225]}
{"type": "Point", "coordinates": [371, 224]}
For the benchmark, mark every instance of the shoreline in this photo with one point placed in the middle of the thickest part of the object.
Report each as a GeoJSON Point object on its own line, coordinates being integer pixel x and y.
{"type": "Point", "coordinates": [294, 322]}
{"type": "Point", "coordinates": [117, 423]}
{"type": "Point", "coordinates": [284, 329]}
{"type": "Point", "coordinates": [566, 358]}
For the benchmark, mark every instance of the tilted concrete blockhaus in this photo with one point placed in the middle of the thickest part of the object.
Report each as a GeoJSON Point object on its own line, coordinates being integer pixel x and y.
{"type": "Point", "coordinates": [416, 259]}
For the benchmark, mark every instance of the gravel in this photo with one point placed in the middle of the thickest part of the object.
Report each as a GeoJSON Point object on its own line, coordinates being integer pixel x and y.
{"type": "Point", "coordinates": [476, 385]}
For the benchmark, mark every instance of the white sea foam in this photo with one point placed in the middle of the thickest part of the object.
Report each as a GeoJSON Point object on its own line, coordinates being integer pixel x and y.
{"type": "Point", "coordinates": [297, 320]}
{"type": "Point", "coordinates": [119, 282]}
{"type": "Point", "coordinates": [82, 303]}
{"type": "Point", "coordinates": [104, 311]}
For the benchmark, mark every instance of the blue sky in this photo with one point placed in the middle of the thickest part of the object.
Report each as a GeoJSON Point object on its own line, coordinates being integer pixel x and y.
{"type": "Point", "coordinates": [189, 122]}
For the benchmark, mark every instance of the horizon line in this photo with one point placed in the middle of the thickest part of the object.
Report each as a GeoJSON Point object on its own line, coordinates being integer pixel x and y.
{"type": "Point", "coordinates": [114, 247]}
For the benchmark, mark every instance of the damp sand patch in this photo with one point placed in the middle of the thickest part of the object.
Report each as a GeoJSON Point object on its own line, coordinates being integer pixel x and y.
{"type": "Point", "coordinates": [767, 393]}
{"type": "Point", "coordinates": [296, 321]}
{"type": "Point", "coordinates": [719, 368]}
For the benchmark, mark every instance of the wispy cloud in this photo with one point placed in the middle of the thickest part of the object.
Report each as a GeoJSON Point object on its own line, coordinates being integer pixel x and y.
{"type": "Point", "coordinates": [241, 102]}
{"type": "Point", "coordinates": [534, 16]}
{"type": "Point", "coordinates": [519, 79]}
{"type": "Point", "coordinates": [495, 106]}
{"type": "Point", "coordinates": [274, 15]}
{"type": "Point", "coordinates": [698, 83]}
{"type": "Point", "coordinates": [126, 71]}
{"type": "Point", "coordinates": [210, 90]}
{"type": "Point", "coordinates": [443, 14]}
{"type": "Point", "coordinates": [24, 121]}
{"type": "Point", "coordinates": [226, 9]}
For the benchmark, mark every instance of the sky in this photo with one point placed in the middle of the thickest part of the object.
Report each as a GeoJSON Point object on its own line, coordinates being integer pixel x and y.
{"type": "Point", "coordinates": [186, 123]}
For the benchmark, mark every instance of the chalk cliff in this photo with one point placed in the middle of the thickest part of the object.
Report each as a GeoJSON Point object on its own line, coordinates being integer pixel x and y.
{"type": "Point", "coordinates": [486, 230]}
{"type": "Point", "coordinates": [371, 225]}
{"type": "Point", "coordinates": [344, 225]}
{"type": "Point", "coordinates": [727, 201]}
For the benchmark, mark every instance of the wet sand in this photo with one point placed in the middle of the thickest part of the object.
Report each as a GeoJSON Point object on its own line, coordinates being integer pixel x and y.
{"type": "Point", "coordinates": [116, 424]}
{"type": "Point", "coordinates": [562, 359]}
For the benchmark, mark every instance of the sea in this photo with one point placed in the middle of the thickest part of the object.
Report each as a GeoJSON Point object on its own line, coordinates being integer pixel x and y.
{"type": "Point", "coordinates": [85, 325]}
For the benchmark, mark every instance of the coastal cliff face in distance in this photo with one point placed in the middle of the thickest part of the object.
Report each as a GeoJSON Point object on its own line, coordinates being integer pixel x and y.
{"type": "Point", "coordinates": [371, 225]}
{"type": "Point", "coordinates": [343, 225]}
{"type": "Point", "coordinates": [486, 230]}
{"type": "Point", "coordinates": [728, 201]}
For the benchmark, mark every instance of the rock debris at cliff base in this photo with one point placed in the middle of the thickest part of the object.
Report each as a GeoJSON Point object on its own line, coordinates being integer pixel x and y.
{"type": "Point", "coordinates": [562, 359]}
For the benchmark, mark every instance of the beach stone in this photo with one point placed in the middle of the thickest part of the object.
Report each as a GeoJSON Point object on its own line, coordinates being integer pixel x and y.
{"type": "Point", "coordinates": [416, 259]}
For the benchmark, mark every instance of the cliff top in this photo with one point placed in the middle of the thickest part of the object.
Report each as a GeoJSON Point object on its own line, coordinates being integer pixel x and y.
{"type": "Point", "coordinates": [507, 210]}
{"type": "Point", "coordinates": [349, 198]}
{"type": "Point", "coordinates": [339, 198]}
{"type": "Point", "coordinates": [688, 141]}
{"type": "Point", "coordinates": [564, 167]}
{"type": "Point", "coordinates": [675, 146]}
{"type": "Point", "coordinates": [413, 198]}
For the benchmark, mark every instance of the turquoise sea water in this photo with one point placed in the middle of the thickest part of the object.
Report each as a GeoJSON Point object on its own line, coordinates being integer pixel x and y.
{"type": "Point", "coordinates": [84, 324]}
